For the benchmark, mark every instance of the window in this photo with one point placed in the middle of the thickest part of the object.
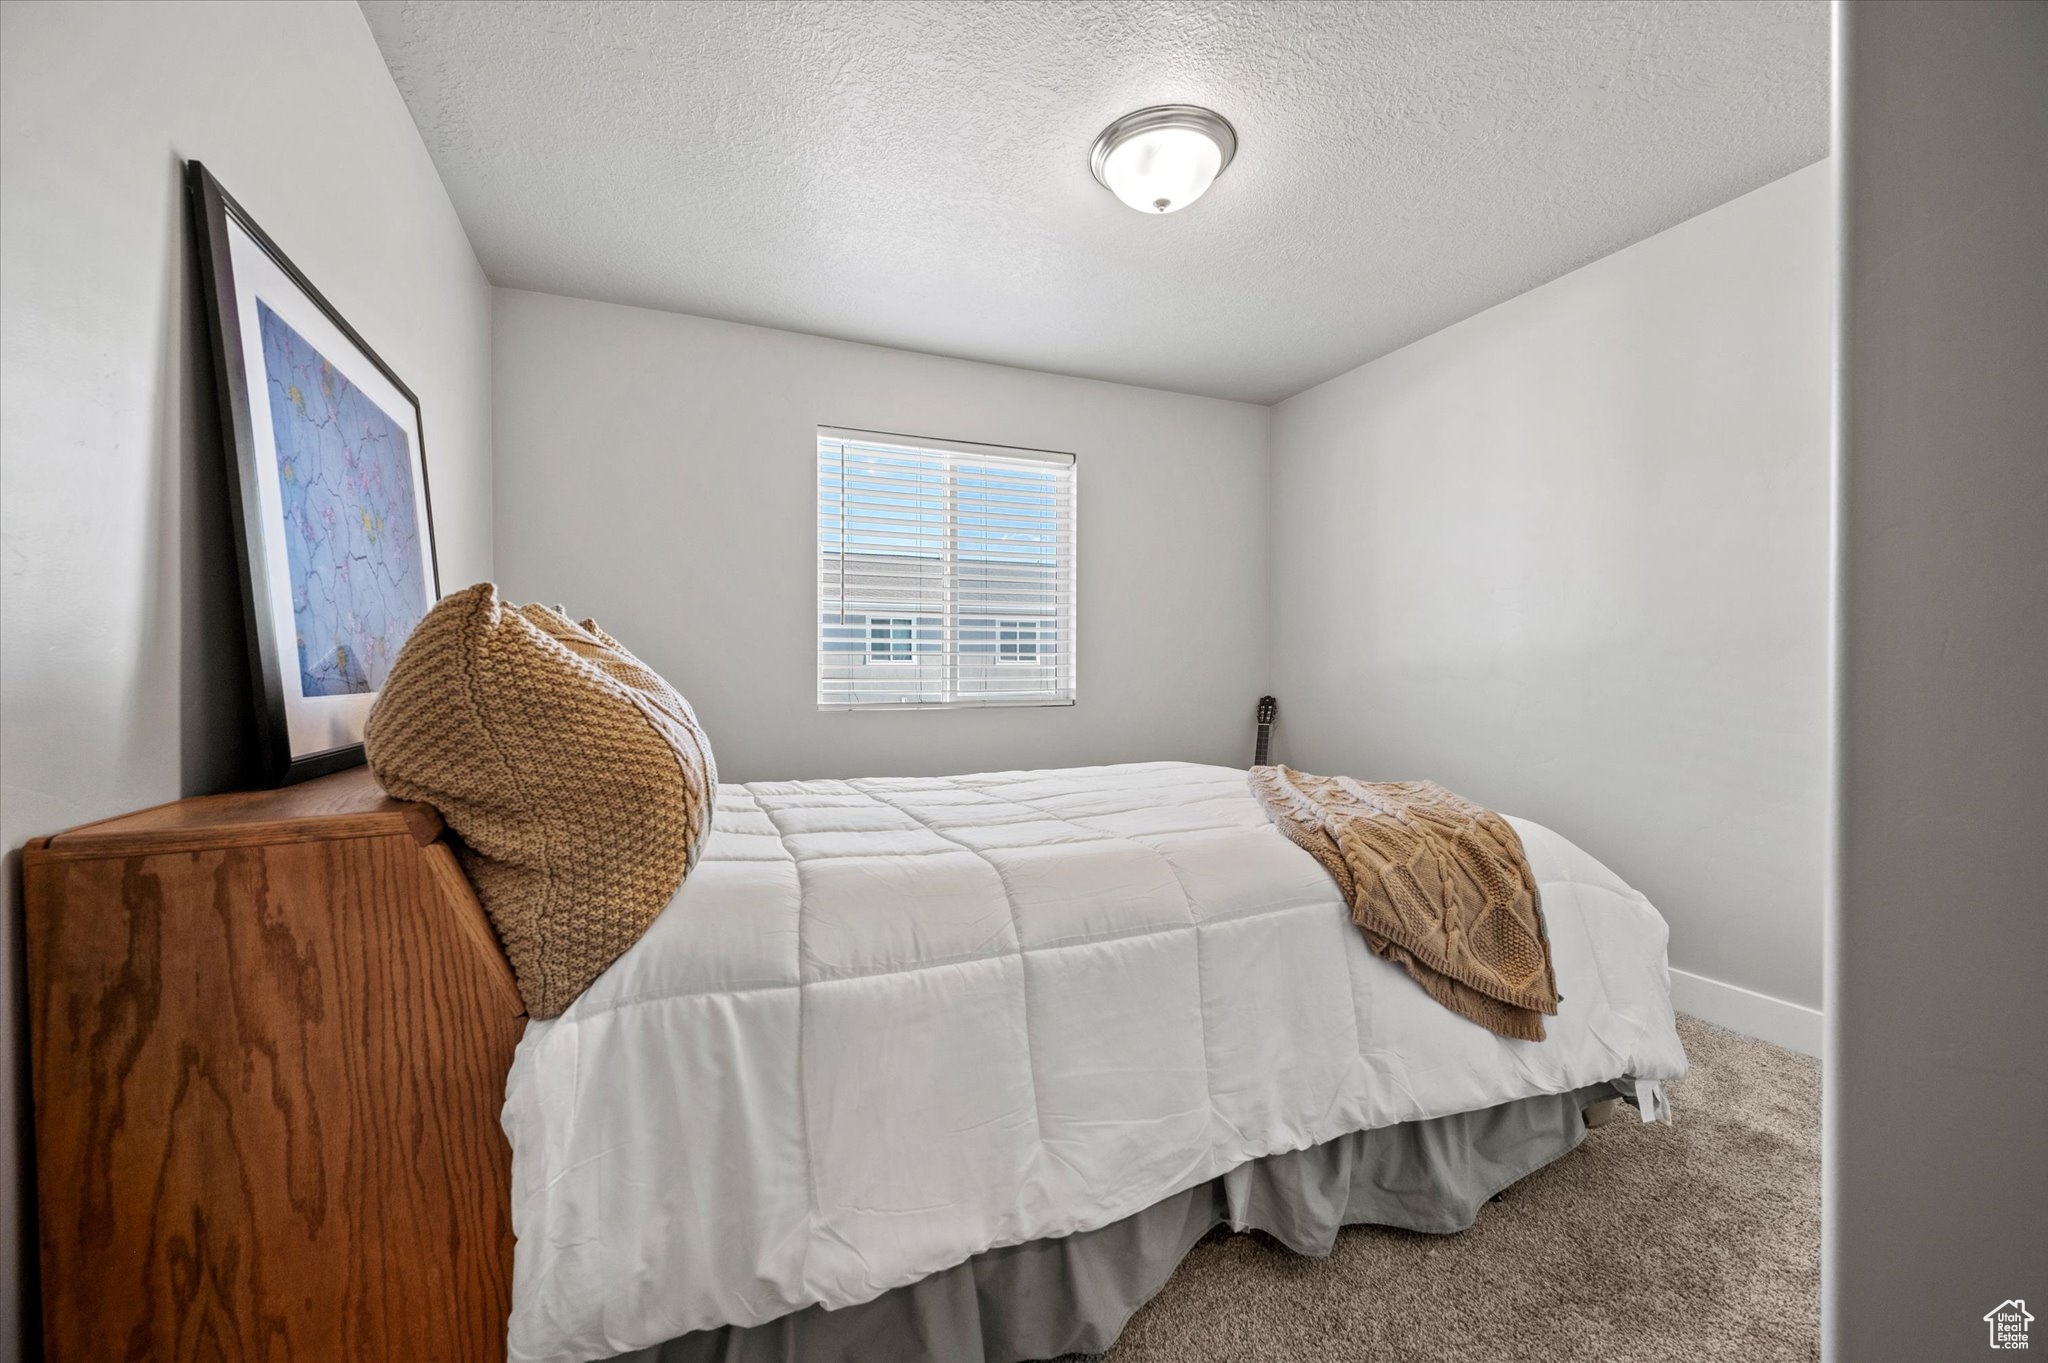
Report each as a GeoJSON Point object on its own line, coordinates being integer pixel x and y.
{"type": "Point", "coordinates": [1008, 641]}
{"type": "Point", "coordinates": [890, 637]}
{"type": "Point", "coordinates": [945, 573]}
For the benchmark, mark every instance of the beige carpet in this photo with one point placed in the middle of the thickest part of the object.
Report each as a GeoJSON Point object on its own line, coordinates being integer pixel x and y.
{"type": "Point", "coordinates": [1647, 1243]}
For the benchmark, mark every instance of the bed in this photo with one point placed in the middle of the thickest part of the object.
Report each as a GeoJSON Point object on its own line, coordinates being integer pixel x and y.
{"type": "Point", "coordinates": [960, 1066]}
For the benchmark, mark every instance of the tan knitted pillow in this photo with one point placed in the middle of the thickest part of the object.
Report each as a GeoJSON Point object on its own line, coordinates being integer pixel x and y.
{"type": "Point", "coordinates": [577, 779]}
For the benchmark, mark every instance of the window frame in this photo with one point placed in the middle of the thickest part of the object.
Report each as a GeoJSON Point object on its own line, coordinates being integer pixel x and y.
{"type": "Point", "coordinates": [1054, 635]}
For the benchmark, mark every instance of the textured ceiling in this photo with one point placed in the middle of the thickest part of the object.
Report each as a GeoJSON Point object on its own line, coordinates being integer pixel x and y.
{"type": "Point", "coordinates": [916, 175]}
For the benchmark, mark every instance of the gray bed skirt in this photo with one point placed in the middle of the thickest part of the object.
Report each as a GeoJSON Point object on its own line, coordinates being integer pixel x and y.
{"type": "Point", "coordinates": [1045, 1298]}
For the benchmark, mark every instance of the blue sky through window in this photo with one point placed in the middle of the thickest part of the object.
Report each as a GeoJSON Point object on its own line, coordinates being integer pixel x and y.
{"type": "Point", "coordinates": [874, 502]}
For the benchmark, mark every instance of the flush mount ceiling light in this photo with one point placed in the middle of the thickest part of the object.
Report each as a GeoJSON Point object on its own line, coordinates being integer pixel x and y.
{"type": "Point", "coordinates": [1160, 160]}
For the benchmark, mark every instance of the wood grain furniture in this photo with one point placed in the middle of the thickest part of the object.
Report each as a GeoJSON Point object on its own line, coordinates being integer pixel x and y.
{"type": "Point", "coordinates": [269, 1035]}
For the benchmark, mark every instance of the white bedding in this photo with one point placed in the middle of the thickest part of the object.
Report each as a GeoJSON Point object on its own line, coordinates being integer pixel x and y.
{"type": "Point", "coordinates": [888, 1024]}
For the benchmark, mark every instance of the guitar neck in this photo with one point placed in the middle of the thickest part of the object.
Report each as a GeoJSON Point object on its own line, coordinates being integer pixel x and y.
{"type": "Point", "coordinates": [1263, 755]}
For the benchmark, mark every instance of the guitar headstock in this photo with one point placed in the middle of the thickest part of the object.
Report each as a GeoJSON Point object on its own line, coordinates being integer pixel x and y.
{"type": "Point", "coordinates": [1267, 705]}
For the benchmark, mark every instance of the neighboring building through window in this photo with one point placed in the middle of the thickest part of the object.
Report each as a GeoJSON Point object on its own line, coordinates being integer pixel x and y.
{"type": "Point", "coordinates": [945, 573]}
{"type": "Point", "coordinates": [882, 638]}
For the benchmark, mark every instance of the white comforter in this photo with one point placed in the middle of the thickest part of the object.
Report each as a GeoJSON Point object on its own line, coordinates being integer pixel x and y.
{"type": "Point", "coordinates": [887, 1024]}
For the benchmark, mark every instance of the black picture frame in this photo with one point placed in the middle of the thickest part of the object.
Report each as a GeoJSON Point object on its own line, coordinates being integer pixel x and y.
{"type": "Point", "coordinates": [215, 216]}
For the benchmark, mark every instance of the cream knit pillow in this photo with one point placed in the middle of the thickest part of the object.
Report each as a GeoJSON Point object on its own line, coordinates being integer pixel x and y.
{"type": "Point", "coordinates": [577, 779]}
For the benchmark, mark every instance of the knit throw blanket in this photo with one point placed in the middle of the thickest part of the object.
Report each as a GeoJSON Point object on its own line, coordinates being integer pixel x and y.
{"type": "Point", "coordinates": [1439, 886]}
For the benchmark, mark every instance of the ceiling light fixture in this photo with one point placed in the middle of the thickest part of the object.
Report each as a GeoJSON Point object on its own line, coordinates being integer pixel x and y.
{"type": "Point", "coordinates": [1160, 160]}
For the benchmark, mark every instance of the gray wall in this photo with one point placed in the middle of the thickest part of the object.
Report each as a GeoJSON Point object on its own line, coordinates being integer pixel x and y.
{"type": "Point", "coordinates": [660, 473]}
{"type": "Point", "coordinates": [1569, 557]}
{"type": "Point", "coordinates": [1936, 1112]}
{"type": "Point", "coordinates": [122, 671]}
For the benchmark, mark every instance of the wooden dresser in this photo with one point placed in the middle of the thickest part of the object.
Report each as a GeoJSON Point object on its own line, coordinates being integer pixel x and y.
{"type": "Point", "coordinates": [269, 1035]}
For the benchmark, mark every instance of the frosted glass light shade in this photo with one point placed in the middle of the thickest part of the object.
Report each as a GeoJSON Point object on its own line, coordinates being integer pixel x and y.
{"type": "Point", "coordinates": [1162, 159]}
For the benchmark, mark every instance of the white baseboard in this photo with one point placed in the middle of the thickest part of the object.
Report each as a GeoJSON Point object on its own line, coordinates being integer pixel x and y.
{"type": "Point", "coordinates": [1791, 1025]}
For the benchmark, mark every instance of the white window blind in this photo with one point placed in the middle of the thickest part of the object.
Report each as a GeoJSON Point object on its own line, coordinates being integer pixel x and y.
{"type": "Point", "coordinates": [945, 573]}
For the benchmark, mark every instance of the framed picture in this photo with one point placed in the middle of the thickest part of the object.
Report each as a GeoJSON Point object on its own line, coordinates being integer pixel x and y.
{"type": "Point", "coordinates": [328, 476]}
